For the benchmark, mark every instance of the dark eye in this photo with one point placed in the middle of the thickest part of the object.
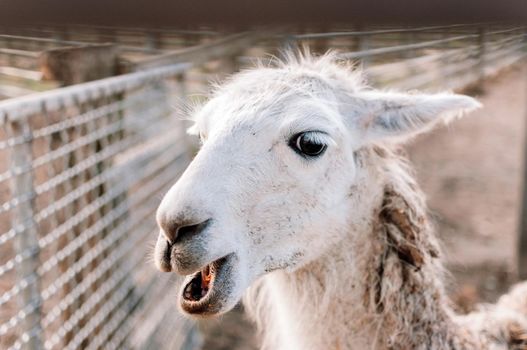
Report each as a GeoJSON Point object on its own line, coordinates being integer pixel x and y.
{"type": "Point", "coordinates": [308, 144]}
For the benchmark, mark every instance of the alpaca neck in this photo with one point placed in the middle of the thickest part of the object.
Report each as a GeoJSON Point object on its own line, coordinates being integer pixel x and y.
{"type": "Point", "coordinates": [319, 308]}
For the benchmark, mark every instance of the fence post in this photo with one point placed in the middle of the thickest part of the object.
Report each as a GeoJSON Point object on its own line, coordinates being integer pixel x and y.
{"type": "Point", "coordinates": [356, 39]}
{"type": "Point", "coordinates": [27, 235]}
{"type": "Point", "coordinates": [179, 94]}
{"type": "Point", "coordinates": [229, 65]}
{"type": "Point", "coordinates": [481, 52]}
{"type": "Point", "coordinates": [364, 45]}
{"type": "Point", "coordinates": [180, 101]}
{"type": "Point", "coordinates": [288, 44]}
{"type": "Point", "coordinates": [522, 239]}
{"type": "Point", "coordinates": [153, 40]}
{"type": "Point", "coordinates": [321, 45]}
{"type": "Point", "coordinates": [74, 65]}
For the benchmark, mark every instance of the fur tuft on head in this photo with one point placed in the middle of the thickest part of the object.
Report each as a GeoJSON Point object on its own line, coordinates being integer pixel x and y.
{"type": "Point", "coordinates": [372, 115]}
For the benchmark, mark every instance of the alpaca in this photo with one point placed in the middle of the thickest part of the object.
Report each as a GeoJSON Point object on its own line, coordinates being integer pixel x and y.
{"type": "Point", "coordinates": [301, 202]}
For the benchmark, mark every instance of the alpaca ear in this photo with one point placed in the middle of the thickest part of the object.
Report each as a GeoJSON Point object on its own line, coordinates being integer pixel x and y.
{"type": "Point", "coordinates": [398, 116]}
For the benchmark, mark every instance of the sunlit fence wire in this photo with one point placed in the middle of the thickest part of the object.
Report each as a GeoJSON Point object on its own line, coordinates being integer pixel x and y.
{"type": "Point", "coordinates": [83, 168]}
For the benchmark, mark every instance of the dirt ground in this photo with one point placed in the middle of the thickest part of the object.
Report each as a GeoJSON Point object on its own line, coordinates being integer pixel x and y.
{"type": "Point", "coordinates": [471, 172]}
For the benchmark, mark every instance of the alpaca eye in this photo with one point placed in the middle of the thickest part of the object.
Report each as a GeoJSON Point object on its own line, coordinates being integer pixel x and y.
{"type": "Point", "coordinates": [308, 144]}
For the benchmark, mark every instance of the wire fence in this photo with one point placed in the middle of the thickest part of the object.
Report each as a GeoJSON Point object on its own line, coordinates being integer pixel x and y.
{"type": "Point", "coordinates": [82, 172]}
{"type": "Point", "coordinates": [83, 168]}
{"type": "Point", "coordinates": [433, 57]}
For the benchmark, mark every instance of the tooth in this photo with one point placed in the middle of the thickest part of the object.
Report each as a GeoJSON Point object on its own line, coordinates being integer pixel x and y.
{"type": "Point", "coordinates": [203, 292]}
{"type": "Point", "coordinates": [206, 277]}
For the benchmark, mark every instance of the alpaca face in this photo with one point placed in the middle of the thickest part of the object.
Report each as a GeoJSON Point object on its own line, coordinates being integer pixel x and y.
{"type": "Point", "coordinates": [270, 187]}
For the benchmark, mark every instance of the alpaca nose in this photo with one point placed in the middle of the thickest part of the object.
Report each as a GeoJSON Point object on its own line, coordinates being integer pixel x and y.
{"type": "Point", "coordinates": [176, 231]}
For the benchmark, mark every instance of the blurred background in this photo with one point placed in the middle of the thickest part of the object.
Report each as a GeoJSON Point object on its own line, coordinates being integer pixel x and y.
{"type": "Point", "coordinates": [92, 135]}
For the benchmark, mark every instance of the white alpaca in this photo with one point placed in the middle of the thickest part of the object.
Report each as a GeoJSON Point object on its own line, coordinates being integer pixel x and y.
{"type": "Point", "coordinates": [300, 200]}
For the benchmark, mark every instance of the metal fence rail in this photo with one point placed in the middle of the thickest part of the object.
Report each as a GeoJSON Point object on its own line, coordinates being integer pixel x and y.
{"type": "Point", "coordinates": [129, 39]}
{"type": "Point", "coordinates": [83, 168]}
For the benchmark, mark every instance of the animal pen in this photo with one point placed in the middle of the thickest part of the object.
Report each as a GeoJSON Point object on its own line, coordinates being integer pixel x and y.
{"type": "Point", "coordinates": [84, 166]}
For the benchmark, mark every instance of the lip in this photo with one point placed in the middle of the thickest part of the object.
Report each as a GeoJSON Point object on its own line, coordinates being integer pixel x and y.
{"type": "Point", "coordinates": [202, 297]}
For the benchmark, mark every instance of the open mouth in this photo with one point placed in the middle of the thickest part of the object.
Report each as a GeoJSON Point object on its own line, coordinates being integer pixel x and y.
{"type": "Point", "coordinates": [199, 285]}
{"type": "Point", "coordinates": [205, 291]}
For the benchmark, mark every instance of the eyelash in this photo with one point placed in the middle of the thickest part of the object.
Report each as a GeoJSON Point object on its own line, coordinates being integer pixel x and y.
{"type": "Point", "coordinates": [309, 144]}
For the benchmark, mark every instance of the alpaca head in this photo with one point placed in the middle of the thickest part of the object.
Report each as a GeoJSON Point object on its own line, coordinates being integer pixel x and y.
{"type": "Point", "coordinates": [274, 184]}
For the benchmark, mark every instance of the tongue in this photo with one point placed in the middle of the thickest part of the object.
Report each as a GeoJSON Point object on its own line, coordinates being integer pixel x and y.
{"type": "Point", "coordinates": [206, 277]}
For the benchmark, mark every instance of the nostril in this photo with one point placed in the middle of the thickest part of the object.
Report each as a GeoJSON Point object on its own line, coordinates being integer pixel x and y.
{"type": "Point", "coordinates": [187, 230]}
{"type": "Point", "coordinates": [190, 230]}
{"type": "Point", "coordinates": [177, 231]}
